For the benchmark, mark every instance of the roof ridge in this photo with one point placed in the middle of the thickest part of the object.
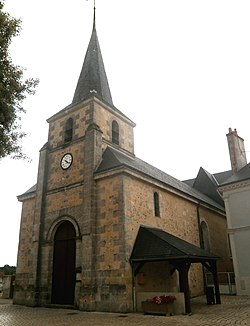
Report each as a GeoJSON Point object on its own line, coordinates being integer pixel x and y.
{"type": "Point", "coordinates": [141, 166]}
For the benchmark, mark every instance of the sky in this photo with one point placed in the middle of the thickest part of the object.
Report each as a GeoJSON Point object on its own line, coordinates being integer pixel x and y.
{"type": "Point", "coordinates": [179, 69]}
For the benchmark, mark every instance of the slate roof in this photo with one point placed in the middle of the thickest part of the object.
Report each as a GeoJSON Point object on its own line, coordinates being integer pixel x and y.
{"type": "Point", "coordinates": [93, 79]}
{"type": "Point", "coordinates": [220, 177]}
{"type": "Point", "coordinates": [154, 244]}
{"type": "Point", "coordinates": [208, 183]}
{"type": "Point", "coordinates": [27, 193]}
{"type": "Point", "coordinates": [241, 175]}
{"type": "Point", "coordinates": [113, 159]}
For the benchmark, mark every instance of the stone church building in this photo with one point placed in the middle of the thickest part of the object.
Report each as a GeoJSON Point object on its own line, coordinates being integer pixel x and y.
{"type": "Point", "coordinates": [101, 228]}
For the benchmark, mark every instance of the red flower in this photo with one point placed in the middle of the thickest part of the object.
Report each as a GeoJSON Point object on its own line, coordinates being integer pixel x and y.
{"type": "Point", "coordinates": [164, 299]}
{"type": "Point", "coordinates": [157, 299]}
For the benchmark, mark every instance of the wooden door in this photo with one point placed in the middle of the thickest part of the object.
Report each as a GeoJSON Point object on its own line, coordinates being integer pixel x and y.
{"type": "Point", "coordinates": [63, 278]}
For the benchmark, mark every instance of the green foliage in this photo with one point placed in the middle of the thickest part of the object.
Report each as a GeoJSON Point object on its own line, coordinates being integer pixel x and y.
{"type": "Point", "coordinates": [13, 90]}
{"type": "Point", "coordinates": [8, 270]}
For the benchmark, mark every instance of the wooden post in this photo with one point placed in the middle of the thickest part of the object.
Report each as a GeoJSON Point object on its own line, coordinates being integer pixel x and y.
{"type": "Point", "coordinates": [216, 282]}
{"type": "Point", "coordinates": [183, 269]}
{"type": "Point", "coordinates": [211, 266]}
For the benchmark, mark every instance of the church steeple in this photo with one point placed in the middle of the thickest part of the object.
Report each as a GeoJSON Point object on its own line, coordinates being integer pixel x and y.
{"type": "Point", "coordinates": [93, 79]}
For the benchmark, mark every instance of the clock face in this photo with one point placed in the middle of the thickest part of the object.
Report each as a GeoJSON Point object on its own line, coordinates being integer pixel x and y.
{"type": "Point", "coordinates": [66, 161]}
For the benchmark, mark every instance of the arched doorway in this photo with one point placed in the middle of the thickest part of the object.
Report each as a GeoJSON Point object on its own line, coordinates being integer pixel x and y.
{"type": "Point", "coordinates": [63, 278]}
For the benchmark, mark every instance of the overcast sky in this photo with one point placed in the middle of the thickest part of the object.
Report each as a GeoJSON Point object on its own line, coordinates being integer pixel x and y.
{"type": "Point", "coordinates": [179, 69]}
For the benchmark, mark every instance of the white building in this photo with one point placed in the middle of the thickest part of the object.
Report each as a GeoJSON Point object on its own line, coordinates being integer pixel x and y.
{"type": "Point", "coordinates": [236, 195]}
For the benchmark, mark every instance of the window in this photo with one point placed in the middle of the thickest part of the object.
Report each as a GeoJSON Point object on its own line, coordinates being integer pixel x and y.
{"type": "Point", "coordinates": [156, 204]}
{"type": "Point", "coordinates": [115, 132]}
{"type": "Point", "coordinates": [68, 133]}
{"type": "Point", "coordinates": [204, 236]}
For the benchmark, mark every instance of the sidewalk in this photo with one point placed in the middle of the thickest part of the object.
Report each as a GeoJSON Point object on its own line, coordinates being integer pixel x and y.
{"type": "Point", "coordinates": [234, 310]}
{"type": "Point", "coordinates": [5, 301]}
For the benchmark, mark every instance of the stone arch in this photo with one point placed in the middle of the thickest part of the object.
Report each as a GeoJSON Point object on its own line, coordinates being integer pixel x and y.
{"type": "Point", "coordinates": [50, 237]}
{"type": "Point", "coordinates": [56, 224]}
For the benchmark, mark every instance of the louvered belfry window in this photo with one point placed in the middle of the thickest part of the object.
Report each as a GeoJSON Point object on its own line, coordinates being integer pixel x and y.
{"type": "Point", "coordinates": [115, 132]}
{"type": "Point", "coordinates": [68, 134]}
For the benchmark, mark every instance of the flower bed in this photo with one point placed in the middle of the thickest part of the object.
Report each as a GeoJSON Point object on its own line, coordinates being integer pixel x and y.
{"type": "Point", "coordinates": [161, 305]}
{"type": "Point", "coordinates": [159, 299]}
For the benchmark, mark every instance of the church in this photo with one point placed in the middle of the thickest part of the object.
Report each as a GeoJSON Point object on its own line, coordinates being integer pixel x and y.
{"type": "Point", "coordinates": [103, 230]}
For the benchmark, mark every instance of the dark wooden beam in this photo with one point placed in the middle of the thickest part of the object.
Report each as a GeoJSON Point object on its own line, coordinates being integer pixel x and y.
{"type": "Point", "coordinates": [136, 267]}
{"type": "Point", "coordinates": [216, 282]}
{"type": "Point", "coordinates": [183, 269]}
{"type": "Point", "coordinates": [212, 267]}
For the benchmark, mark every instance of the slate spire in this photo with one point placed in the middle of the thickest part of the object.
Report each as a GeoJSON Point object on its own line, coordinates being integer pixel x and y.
{"type": "Point", "coordinates": [93, 79]}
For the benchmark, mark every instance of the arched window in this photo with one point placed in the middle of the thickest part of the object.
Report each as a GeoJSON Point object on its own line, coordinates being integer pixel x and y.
{"type": "Point", "coordinates": [115, 132]}
{"type": "Point", "coordinates": [204, 236]}
{"type": "Point", "coordinates": [156, 204]}
{"type": "Point", "coordinates": [68, 133]}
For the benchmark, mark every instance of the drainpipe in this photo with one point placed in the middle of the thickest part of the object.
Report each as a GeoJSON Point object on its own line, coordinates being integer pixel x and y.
{"type": "Point", "coordinates": [199, 225]}
{"type": "Point", "coordinates": [200, 239]}
{"type": "Point", "coordinates": [133, 288]}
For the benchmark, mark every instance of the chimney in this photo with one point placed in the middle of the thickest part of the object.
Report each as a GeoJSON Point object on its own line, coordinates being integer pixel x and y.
{"type": "Point", "coordinates": [236, 150]}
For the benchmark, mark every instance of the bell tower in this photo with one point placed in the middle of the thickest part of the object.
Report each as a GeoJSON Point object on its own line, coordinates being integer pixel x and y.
{"type": "Point", "coordinates": [60, 211]}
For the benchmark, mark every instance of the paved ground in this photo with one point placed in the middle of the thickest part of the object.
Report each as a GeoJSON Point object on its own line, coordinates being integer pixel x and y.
{"type": "Point", "coordinates": [233, 311]}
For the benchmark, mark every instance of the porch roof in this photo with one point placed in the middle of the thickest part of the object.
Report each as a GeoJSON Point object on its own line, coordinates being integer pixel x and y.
{"type": "Point", "coordinates": [154, 244]}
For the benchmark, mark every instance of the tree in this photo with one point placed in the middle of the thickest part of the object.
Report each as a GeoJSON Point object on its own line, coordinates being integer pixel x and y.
{"type": "Point", "coordinates": [8, 270]}
{"type": "Point", "coordinates": [13, 90]}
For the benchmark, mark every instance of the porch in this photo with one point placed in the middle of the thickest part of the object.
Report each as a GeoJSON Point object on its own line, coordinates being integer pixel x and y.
{"type": "Point", "coordinates": [155, 245]}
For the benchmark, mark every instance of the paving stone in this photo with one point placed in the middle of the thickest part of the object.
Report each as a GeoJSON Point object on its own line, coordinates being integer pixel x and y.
{"type": "Point", "coordinates": [234, 310]}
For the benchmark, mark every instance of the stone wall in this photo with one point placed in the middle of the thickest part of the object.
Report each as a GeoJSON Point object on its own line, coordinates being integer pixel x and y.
{"type": "Point", "coordinates": [218, 238]}
{"type": "Point", "coordinates": [114, 279]}
{"type": "Point", "coordinates": [8, 286]}
{"type": "Point", "coordinates": [178, 216]}
{"type": "Point", "coordinates": [103, 118]}
{"type": "Point", "coordinates": [82, 116]}
{"type": "Point", "coordinates": [87, 113]}
{"type": "Point", "coordinates": [24, 284]}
